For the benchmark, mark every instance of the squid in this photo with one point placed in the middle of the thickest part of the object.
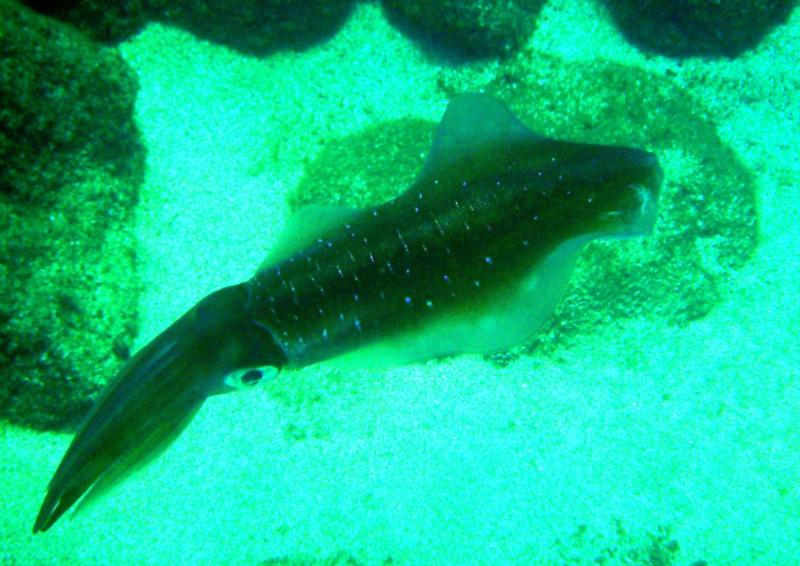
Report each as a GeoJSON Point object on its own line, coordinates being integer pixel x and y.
{"type": "Point", "coordinates": [471, 258]}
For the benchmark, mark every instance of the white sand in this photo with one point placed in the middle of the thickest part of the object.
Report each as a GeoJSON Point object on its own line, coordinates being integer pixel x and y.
{"type": "Point", "coordinates": [453, 462]}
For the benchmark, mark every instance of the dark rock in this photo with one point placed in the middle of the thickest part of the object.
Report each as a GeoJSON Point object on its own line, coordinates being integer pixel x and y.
{"type": "Point", "coordinates": [478, 28]}
{"type": "Point", "coordinates": [256, 27]}
{"type": "Point", "coordinates": [72, 165]}
{"type": "Point", "coordinates": [682, 28]}
{"type": "Point", "coordinates": [107, 22]}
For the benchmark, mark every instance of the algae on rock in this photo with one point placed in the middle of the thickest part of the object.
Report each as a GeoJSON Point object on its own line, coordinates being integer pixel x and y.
{"type": "Point", "coordinates": [479, 29]}
{"type": "Point", "coordinates": [710, 28]}
{"type": "Point", "coordinates": [256, 27]}
{"type": "Point", "coordinates": [72, 166]}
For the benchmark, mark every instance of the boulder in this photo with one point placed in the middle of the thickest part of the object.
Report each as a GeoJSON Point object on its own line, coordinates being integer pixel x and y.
{"type": "Point", "coordinates": [711, 28]}
{"type": "Point", "coordinates": [478, 28]}
{"type": "Point", "coordinates": [256, 27]}
{"type": "Point", "coordinates": [72, 167]}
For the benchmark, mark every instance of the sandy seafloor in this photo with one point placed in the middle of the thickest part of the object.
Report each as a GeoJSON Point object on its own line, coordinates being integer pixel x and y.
{"type": "Point", "coordinates": [457, 461]}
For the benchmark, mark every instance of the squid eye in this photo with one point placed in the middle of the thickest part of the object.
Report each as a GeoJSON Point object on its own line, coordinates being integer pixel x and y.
{"type": "Point", "coordinates": [248, 378]}
{"type": "Point", "coordinates": [251, 377]}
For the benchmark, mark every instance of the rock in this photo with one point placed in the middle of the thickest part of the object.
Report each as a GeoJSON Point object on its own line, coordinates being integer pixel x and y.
{"type": "Point", "coordinates": [72, 166]}
{"type": "Point", "coordinates": [255, 27]}
{"type": "Point", "coordinates": [107, 22]}
{"type": "Point", "coordinates": [351, 172]}
{"type": "Point", "coordinates": [682, 28]}
{"type": "Point", "coordinates": [478, 28]}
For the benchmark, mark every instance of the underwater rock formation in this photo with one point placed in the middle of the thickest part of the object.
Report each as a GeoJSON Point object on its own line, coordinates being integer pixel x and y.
{"type": "Point", "coordinates": [479, 28]}
{"type": "Point", "coordinates": [683, 28]}
{"type": "Point", "coordinates": [256, 27]}
{"type": "Point", "coordinates": [72, 165]}
{"type": "Point", "coordinates": [107, 22]}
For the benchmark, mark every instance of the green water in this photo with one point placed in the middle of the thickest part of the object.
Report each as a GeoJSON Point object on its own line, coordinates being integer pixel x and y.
{"type": "Point", "coordinates": [652, 423]}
